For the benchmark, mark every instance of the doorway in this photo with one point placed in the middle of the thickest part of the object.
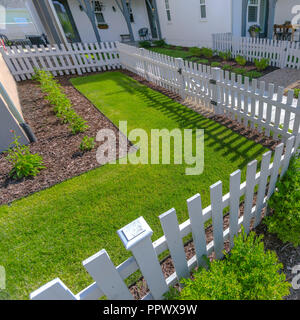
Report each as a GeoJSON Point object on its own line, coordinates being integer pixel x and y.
{"type": "Point", "coordinates": [66, 20]}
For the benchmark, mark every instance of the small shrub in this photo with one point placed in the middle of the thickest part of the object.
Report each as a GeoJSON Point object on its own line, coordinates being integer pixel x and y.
{"type": "Point", "coordinates": [225, 55]}
{"type": "Point", "coordinates": [215, 64]}
{"type": "Point", "coordinates": [247, 273]}
{"type": "Point", "coordinates": [296, 93]}
{"type": "Point", "coordinates": [285, 204]}
{"type": "Point", "coordinates": [240, 60]}
{"type": "Point", "coordinates": [25, 164]}
{"type": "Point", "coordinates": [195, 51]}
{"type": "Point", "coordinates": [87, 144]}
{"type": "Point", "coordinates": [253, 74]}
{"type": "Point", "coordinates": [159, 43]}
{"type": "Point", "coordinates": [77, 124]}
{"type": "Point", "coordinates": [145, 44]}
{"type": "Point", "coordinates": [240, 71]}
{"type": "Point", "coordinates": [227, 67]}
{"type": "Point", "coordinates": [179, 48]}
{"type": "Point", "coordinates": [203, 61]}
{"type": "Point", "coordinates": [207, 53]}
{"type": "Point", "coordinates": [261, 64]}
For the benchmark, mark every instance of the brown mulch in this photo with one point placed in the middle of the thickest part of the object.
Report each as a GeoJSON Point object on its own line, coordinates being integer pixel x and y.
{"type": "Point", "coordinates": [58, 147]}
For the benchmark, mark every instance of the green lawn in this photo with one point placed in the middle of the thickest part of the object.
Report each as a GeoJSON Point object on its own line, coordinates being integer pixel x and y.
{"type": "Point", "coordinates": [171, 52]}
{"type": "Point", "coordinates": [48, 234]}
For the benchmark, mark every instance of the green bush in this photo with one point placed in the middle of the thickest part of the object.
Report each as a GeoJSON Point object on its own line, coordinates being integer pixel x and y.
{"type": "Point", "coordinates": [203, 61]}
{"type": "Point", "coordinates": [25, 164]}
{"type": "Point", "coordinates": [207, 53]}
{"type": "Point", "coordinates": [61, 103]}
{"type": "Point", "coordinates": [215, 64]}
{"type": "Point", "coordinates": [225, 55]}
{"type": "Point", "coordinates": [145, 44]}
{"type": "Point", "coordinates": [240, 71]}
{"type": "Point", "coordinates": [253, 74]}
{"type": "Point", "coordinates": [227, 67]}
{"type": "Point", "coordinates": [247, 273]}
{"type": "Point", "coordinates": [240, 60]}
{"type": "Point", "coordinates": [195, 51]}
{"type": "Point", "coordinates": [285, 204]}
{"type": "Point", "coordinates": [87, 144]}
{"type": "Point", "coordinates": [261, 64]}
{"type": "Point", "coordinates": [296, 93]}
{"type": "Point", "coordinates": [159, 43]}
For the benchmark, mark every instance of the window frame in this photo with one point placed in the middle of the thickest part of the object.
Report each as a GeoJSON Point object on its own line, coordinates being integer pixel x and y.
{"type": "Point", "coordinates": [99, 12]}
{"type": "Point", "coordinates": [257, 6]}
{"type": "Point", "coordinates": [203, 4]}
{"type": "Point", "coordinates": [168, 11]}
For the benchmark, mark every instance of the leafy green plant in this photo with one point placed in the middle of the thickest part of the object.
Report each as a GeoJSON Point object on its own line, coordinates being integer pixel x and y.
{"type": "Point", "coordinates": [87, 144]}
{"type": "Point", "coordinates": [145, 44]}
{"type": "Point", "coordinates": [247, 273]}
{"type": "Point", "coordinates": [296, 93]}
{"type": "Point", "coordinates": [25, 164]}
{"type": "Point", "coordinates": [253, 74]}
{"type": "Point", "coordinates": [241, 60]}
{"type": "Point", "coordinates": [61, 103]}
{"type": "Point", "coordinates": [261, 64]}
{"type": "Point", "coordinates": [285, 204]}
{"type": "Point", "coordinates": [225, 55]}
{"type": "Point", "coordinates": [240, 71]}
{"type": "Point", "coordinates": [207, 53]}
{"type": "Point", "coordinates": [203, 61]}
{"type": "Point", "coordinates": [195, 51]}
{"type": "Point", "coordinates": [227, 67]}
{"type": "Point", "coordinates": [215, 64]}
{"type": "Point", "coordinates": [159, 43]}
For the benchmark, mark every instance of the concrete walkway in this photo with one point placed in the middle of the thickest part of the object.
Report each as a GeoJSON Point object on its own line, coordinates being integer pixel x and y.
{"type": "Point", "coordinates": [281, 77]}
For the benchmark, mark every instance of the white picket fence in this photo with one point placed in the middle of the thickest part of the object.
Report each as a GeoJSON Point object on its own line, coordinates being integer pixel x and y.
{"type": "Point", "coordinates": [136, 237]}
{"type": "Point", "coordinates": [281, 54]}
{"type": "Point", "coordinates": [61, 59]}
{"type": "Point", "coordinates": [250, 103]}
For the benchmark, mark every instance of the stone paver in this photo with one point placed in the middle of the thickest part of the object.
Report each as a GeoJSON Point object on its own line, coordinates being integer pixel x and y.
{"type": "Point", "coordinates": [282, 77]}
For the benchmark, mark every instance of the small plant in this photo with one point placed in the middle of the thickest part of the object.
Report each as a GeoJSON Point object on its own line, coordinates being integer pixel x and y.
{"type": "Point", "coordinates": [241, 60]}
{"type": "Point", "coordinates": [203, 61]}
{"type": "Point", "coordinates": [227, 67]}
{"type": "Point", "coordinates": [159, 43]}
{"type": "Point", "coordinates": [261, 64]}
{"type": "Point", "coordinates": [215, 64]}
{"type": "Point", "coordinates": [207, 53]}
{"type": "Point", "coordinates": [285, 204]}
{"type": "Point", "coordinates": [179, 48]}
{"type": "Point", "coordinates": [253, 74]}
{"type": "Point", "coordinates": [195, 51]}
{"type": "Point", "coordinates": [240, 71]}
{"type": "Point", "coordinates": [25, 164]}
{"type": "Point", "coordinates": [225, 55]}
{"type": "Point", "coordinates": [254, 29]}
{"type": "Point", "coordinates": [145, 44]}
{"type": "Point", "coordinates": [77, 124]}
{"type": "Point", "coordinates": [87, 144]}
{"type": "Point", "coordinates": [296, 93]}
{"type": "Point", "coordinates": [247, 273]}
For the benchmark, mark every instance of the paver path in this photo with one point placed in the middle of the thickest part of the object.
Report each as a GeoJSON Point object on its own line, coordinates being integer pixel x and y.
{"type": "Point", "coordinates": [282, 77]}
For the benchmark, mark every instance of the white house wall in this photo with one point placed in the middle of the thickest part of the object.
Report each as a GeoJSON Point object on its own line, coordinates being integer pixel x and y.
{"type": "Point", "coordinates": [187, 28]}
{"type": "Point", "coordinates": [284, 11]}
{"type": "Point", "coordinates": [115, 20]}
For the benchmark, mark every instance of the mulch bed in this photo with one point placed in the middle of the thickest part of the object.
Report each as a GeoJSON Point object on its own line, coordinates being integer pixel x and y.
{"type": "Point", "coordinates": [58, 147]}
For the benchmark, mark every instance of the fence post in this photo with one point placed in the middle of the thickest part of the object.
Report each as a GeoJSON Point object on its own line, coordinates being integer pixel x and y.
{"type": "Point", "coordinates": [180, 66]}
{"type": "Point", "coordinates": [136, 237]}
{"type": "Point", "coordinates": [143, 53]}
{"type": "Point", "coordinates": [216, 76]}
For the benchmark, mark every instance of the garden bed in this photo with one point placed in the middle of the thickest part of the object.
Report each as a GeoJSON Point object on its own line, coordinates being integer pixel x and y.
{"type": "Point", "coordinates": [184, 53]}
{"type": "Point", "coordinates": [58, 147]}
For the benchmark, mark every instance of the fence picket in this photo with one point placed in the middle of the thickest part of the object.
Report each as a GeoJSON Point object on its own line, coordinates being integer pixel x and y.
{"type": "Point", "coordinates": [234, 202]}
{"type": "Point", "coordinates": [171, 230]}
{"type": "Point", "coordinates": [101, 268]}
{"type": "Point", "coordinates": [198, 230]}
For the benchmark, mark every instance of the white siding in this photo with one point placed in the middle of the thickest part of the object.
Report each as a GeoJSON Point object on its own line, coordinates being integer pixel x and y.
{"type": "Point", "coordinates": [187, 28]}
{"type": "Point", "coordinates": [284, 11]}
